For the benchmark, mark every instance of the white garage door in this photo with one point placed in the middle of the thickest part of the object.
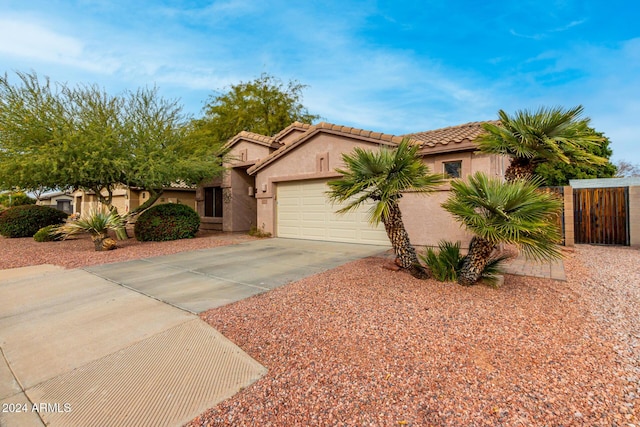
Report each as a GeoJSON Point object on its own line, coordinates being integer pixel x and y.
{"type": "Point", "coordinates": [304, 212]}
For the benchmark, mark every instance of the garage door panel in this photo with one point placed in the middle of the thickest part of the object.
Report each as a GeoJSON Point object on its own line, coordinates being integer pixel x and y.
{"type": "Point", "coordinates": [305, 212]}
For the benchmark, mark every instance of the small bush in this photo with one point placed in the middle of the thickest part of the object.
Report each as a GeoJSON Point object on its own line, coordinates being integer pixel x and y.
{"type": "Point", "coordinates": [446, 262]}
{"type": "Point", "coordinates": [50, 233]}
{"type": "Point", "coordinates": [26, 220]}
{"type": "Point", "coordinates": [258, 232]}
{"type": "Point", "coordinates": [168, 221]}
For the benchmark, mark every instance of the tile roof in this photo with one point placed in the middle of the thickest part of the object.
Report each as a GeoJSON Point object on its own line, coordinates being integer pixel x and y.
{"type": "Point", "coordinates": [328, 128]}
{"type": "Point", "coordinates": [442, 139]}
{"type": "Point", "coordinates": [450, 135]}
{"type": "Point", "coordinates": [251, 136]}
{"type": "Point", "coordinates": [293, 126]}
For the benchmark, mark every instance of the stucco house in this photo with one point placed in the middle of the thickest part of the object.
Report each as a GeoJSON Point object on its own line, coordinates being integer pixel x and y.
{"type": "Point", "coordinates": [278, 183]}
{"type": "Point", "coordinates": [125, 199]}
{"type": "Point", "coordinates": [61, 200]}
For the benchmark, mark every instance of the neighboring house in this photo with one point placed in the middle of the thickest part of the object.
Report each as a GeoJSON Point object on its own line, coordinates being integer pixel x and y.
{"type": "Point", "coordinates": [278, 183]}
{"type": "Point", "coordinates": [61, 200]}
{"type": "Point", "coordinates": [125, 199]}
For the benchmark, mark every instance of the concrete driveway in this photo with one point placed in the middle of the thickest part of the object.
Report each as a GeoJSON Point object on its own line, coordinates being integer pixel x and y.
{"type": "Point", "coordinates": [198, 280]}
{"type": "Point", "coordinates": [119, 344]}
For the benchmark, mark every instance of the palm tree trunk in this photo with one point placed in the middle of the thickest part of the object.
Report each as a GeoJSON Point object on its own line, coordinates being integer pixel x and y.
{"type": "Point", "coordinates": [404, 251]}
{"type": "Point", "coordinates": [476, 260]}
{"type": "Point", "coordinates": [519, 168]}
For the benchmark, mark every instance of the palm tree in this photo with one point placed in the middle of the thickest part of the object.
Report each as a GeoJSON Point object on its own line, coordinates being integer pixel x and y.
{"type": "Point", "coordinates": [497, 212]}
{"type": "Point", "coordinates": [546, 135]}
{"type": "Point", "coordinates": [381, 177]}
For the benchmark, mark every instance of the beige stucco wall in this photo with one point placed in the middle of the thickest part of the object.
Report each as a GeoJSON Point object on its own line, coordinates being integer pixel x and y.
{"type": "Point", "coordinates": [84, 202]}
{"type": "Point", "coordinates": [183, 197]}
{"type": "Point", "coordinates": [426, 222]}
{"type": "Point", "coordinates": [569, 217]}
{"type": "Point", "coordinates": [239, 207]}
{"type": "Point", "coordinates": [634, 216]}
{"type": "Point", "coordinates": [316, 158]}
{"type": "Point", "coordinates": [294, 134]}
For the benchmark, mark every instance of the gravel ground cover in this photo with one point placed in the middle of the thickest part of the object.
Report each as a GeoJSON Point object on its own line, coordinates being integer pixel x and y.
{"type": "Point", "coordinates": [364, 346]}
{"type": "Point", "coordinates": [79, 252]}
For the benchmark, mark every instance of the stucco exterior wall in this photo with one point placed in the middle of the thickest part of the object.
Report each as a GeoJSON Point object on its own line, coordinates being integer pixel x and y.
{"type": "Point", "coordinates": [634, 216]}
{"type": "Point", "coordinates": [239, 209]}
{"type": "Point", "coordinates": [185, 197]}
{"type": "Point", "coordinates": [426, 222]}
{"type": "Point", "coordinates": [317, 158]}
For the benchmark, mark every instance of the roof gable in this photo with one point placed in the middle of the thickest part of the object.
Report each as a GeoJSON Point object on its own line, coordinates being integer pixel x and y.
{"type": "Point", "coordinates": [323, 127]}
{"type": "Point", "coordinates": [252, 137]}
{"type": "Point", "coordinates": [452, 138]}
{"type": "Point", "coordinates": [293, 128]}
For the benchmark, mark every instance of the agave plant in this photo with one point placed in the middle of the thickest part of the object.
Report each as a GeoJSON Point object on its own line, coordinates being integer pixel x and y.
{"type": "Point", "coordinates": [97, 223]}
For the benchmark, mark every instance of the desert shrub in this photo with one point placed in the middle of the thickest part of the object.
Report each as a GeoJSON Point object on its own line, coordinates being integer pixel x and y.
{"type": "Point", "coordinates": [97, 223]}
{"type": "Point", "coordinates": [49, 233]}
{"type": "Point", "coordinates": [256, 231]}
{"type": "Point", "coordinates": [446, 262]}
{"type": "Point", "coordinates": [26, 220]}
{"type": "Point", "coordinates": [9, 200]}
{"type": "Point", "coordinates": [168, 221]}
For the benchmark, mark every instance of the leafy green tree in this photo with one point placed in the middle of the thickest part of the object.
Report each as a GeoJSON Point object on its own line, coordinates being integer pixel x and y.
{"type": "Point", "coordinates": [61, 137]}
{"type": "Point", "coordinates": [559, 173]}
{"type": "Point", "coordinates": [515, 212]}
{"type": "Point", "coordinates": [264, 106]}
{"type": "Point", "coordinates": [11, 199]}
{"type": "Point", "coordinates": [548, 135]}
{"type": "Point", "coordinates": [381, 177]}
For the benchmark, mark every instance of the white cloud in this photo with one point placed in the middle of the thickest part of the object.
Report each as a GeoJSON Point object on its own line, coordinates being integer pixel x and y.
{"type": "Point", "coordinates": [30, 40]}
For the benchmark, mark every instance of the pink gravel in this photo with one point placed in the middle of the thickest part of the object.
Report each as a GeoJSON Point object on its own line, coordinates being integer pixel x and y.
{"type": "Point", "coordinates": [79, 252]}
{"type": "Point", "coordinates": [362, 345]}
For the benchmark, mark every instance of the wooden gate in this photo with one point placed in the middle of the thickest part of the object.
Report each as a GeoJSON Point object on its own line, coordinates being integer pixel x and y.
{"type": "Point", "coordinates": [601, 215]}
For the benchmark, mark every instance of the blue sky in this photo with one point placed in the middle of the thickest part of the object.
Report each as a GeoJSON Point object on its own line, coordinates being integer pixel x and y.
{"type": "Point", "coordinates": [391, 66]}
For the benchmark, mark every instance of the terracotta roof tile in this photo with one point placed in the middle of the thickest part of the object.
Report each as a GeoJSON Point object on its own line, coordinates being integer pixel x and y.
{"type": "Point", "coordinates": [444, 137]}
{"type": "Point", "coordinates": [452, 134]}
{"type": "Point", "coordinates": [251, 136]}
{"type": "Point", "coordinates": [293, 126]}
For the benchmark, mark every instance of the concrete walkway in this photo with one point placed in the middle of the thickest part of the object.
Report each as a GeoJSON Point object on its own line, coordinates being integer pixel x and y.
{"type": "Point", "coordinates": [118, 344]}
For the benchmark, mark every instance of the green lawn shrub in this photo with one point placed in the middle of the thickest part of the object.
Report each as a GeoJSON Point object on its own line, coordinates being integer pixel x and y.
{"type": "Point", "coordinates": [26, 220]}
{"type": "Point", "coordinates": [168, 221]}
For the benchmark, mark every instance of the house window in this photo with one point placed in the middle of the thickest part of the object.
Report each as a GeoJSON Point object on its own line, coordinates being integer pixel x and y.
{"type": "Point", "coordinates": [453, 169]}
{"type": "Point", "coordinates": [64, 206]}
{"type": "Point", "coordinates": [213, 202]}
